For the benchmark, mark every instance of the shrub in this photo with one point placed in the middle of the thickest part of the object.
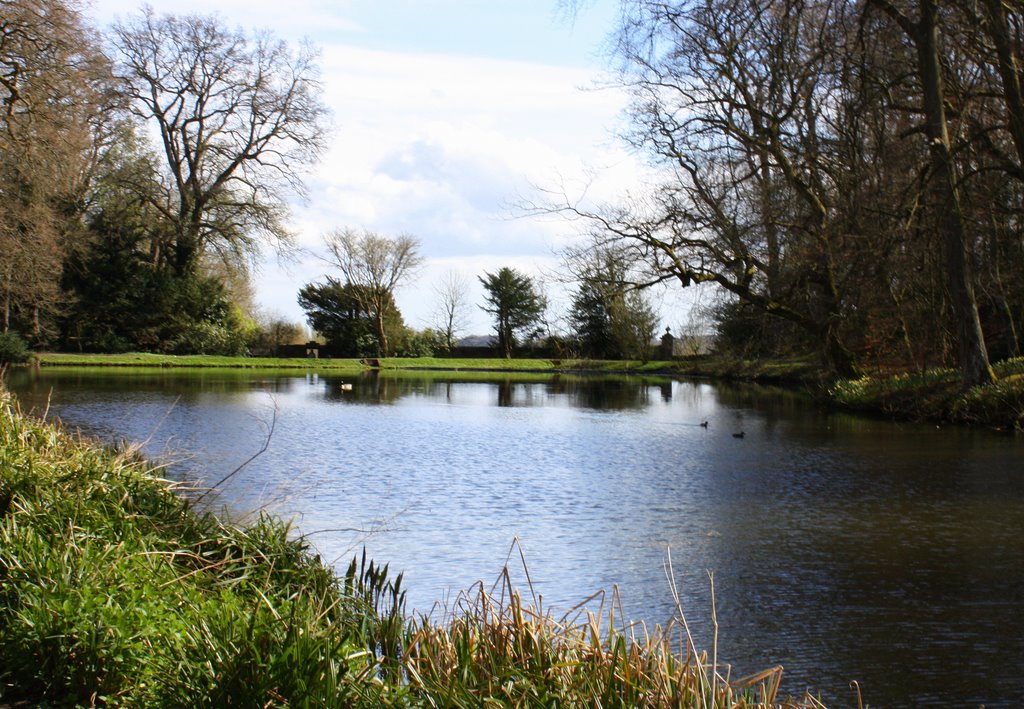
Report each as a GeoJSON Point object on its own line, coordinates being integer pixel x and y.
{"type": "Point", "coordinates": [13, 349]}
{"type": "Point", "coordinates": [1000, 405]}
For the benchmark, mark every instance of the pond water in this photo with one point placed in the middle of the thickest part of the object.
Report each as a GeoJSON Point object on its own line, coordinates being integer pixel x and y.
{"type": "Point", "coordinates": [843, 548]}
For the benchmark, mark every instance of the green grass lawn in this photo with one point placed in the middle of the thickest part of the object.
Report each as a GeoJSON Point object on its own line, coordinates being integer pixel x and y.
{"type": "Point", "coordinates": [145, 359]}
{"type": "Point", "coordinates": [142, 359]}
{"type": "Point", "coordinates": [700, 366]}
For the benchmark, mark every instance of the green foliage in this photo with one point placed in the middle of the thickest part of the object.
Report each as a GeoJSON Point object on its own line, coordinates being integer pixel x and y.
{"type": "Point", "coordinates": [515, 304]}
{"type": "Point", "coordinates": [610, 318]}
{"type": "Point", "coordinates": [419, 343]}
{"type": "Point", "coordinates": [121, 302]}
{"type": "Point", "coordinates": [590, 319]}
{"type": "Point", "coordinates": [271, 333]}
{"type": "Point", "coordinates": [1000, 404]}
{"type": "Point", "coordinates": [611, 323]}
{"type": "Point", "coordinates": [13, 349]}
{"type": "Point", "coordinates": [634, 325]}
{"type": "Point", "coordinates": [114, 591]}
{"type": "Point", "coordinates": [334, 310]}
{"type": "Point", "coordinates": [938, 395]}
{"type": "Point", "coordinates": [144, 360]}
{"type": "Point", "coordinates": [742, 330]}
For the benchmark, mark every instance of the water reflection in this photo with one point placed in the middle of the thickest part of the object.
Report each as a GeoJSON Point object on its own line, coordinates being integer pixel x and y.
{"type": "Point", "coordinates": [842, 547]}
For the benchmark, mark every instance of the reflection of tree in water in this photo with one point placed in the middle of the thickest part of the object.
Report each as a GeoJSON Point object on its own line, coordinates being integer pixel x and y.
{"type": "Point", "coordinates": [513, 392]}
{"type": "Point", "coordinates": [606, 393]}
{"type": "Point", "coordinates": [506, 394]}
{"type": "Point", "coordinates": [368, 388]}
{"type": "Point", "coordinates": [591, 392]}
{"type": "Point", "coordinates": [182, 382]}
{"type": "Point", "coordinates": [772, 404]}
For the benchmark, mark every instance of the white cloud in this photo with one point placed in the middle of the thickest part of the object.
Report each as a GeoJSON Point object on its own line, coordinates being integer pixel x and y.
{"type": "Point", "coordinates": [441, 148]}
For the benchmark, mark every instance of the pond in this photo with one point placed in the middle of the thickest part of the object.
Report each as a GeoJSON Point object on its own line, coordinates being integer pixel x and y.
{"type": "Point", "coordinates": [843, 548]}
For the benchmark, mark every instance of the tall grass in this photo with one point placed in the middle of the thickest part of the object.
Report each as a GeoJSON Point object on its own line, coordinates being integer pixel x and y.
{"type": "Point", "coordinates": [116, 591]}
{"type": "Point", "coordinates": [497, 650]}
{"type": "Point", "coordinates": [113, 590]}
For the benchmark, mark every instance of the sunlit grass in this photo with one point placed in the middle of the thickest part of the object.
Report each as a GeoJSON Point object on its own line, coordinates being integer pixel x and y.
{"type": "Point", "coordinates": [720, 367]}
{"type": "Point", "coordinates": [146, 359]}
{"type": "Point", "coordinates": [114, 590]}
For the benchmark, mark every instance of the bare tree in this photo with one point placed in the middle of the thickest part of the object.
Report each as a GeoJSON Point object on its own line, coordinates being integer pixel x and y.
{"type": "Point", "coordinates": [923, 32]}
{"type": "Point", "coordinates": [739, 101]}
{"type": "Point", "coordinates": [374, 265]}
{"type": "Point", "coordinates": [451, 318]}
{"type": "Point", "coordinates": [238, 118]}
{"type": "Point", "coordinates": [56, 109]}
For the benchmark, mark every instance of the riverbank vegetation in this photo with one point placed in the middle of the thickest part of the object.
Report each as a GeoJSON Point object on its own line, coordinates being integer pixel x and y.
{"type": "Point", "coordinates": [791, 369]}
{"type": "Point", "coordinates": [116, 590]}
{"type": "Point", "coordinates": [148, 359]}
{"type": "Point", "coordinates": [938, 395]}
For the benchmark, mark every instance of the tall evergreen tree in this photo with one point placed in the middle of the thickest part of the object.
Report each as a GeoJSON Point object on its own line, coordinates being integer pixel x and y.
{"type": "Point", "coordinates": [512, 298]}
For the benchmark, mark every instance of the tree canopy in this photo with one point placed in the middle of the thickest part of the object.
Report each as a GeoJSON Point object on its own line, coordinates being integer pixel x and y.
{"type": "Point", "coordinates": [512, 298]}
{"type": "Point", "coordinates": [374, 265]}
{"type": "Point", "coordinates": [336, 311]}
{"type": "Point", "coordinates": [57, 106]}
{"type": "Point", "coordinates": [609, 316]}
{"type": "Point", "coordinates": [238, 118]}
{"type": "Point", "coordinates": [852, 169]}
{"type": "Point", "coordinates": [107, 243]}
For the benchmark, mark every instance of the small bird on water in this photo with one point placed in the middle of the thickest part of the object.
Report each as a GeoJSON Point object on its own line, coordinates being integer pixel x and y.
{"type": "Point", "coordinates": [704, 424]}
{"type": "Point", "coordinates": [738, 435]}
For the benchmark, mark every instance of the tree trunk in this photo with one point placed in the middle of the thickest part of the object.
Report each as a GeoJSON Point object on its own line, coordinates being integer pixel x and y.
{"type": "Point", "coordinates": [505, 341]}
{"type": "Point", "coordinates": [974, 365]}
{"type": "Point", "coordinates": [838, 358]}
{"type": "Point", "coordinates": [5, 324]}
{"type": "Point", "coordinates": [185, 256]}
{"type": "Point", "coordinates": [1009, 72]}
{"type": "Point", "coordinates": [382, 335]}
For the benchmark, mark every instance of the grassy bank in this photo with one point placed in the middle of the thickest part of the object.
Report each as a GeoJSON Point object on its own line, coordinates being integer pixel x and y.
{"type": "Point", "coordinates": [116, 591]}
{"type": "Point", "coordinates": [146, 359]}
{"type": "Point", "coordinates": [937, 395]}
{"type": "Point", "coordinates": [719, 367]}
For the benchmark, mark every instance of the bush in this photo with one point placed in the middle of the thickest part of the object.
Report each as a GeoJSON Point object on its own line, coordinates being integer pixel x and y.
{"type": "Point", "coordinates": [412, 343]}
{"type": "Point", "coordinates": [1000, 405]}
{"type": "Point", "coordinates": [13, 349]}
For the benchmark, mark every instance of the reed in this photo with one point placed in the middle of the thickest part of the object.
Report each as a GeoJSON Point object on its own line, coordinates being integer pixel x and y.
{"type": "Point", "coordinates": [495, 650]}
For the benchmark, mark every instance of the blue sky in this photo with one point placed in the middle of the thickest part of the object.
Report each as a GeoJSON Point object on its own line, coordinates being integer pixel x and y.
{"type": "Point", "coordinates": [446, 114]}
